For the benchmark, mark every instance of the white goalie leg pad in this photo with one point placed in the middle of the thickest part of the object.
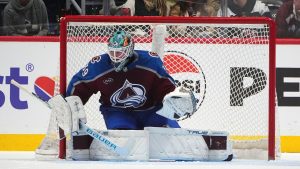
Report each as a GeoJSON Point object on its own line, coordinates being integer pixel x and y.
{"type": "Point", "coordinates": [62, 112]}
{"type": "Point", "coordinates": [78, 113]}
{"type": "Point", "coordinates": [68, 111]}
{"type": "Point", "coordinates": [48, 149]}
{"type": "Point", "coordinates": [176, 144]}
{"type": "Point", "coordinates": [184, 144]}
{"type": "Point", "coordinates": [135, 141]}
{"type": "Point", "coordinates": [178, 105]}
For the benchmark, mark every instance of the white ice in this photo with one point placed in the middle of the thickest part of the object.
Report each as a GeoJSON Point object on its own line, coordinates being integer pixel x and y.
{"type": "Point", "coordinates": [26, 160]}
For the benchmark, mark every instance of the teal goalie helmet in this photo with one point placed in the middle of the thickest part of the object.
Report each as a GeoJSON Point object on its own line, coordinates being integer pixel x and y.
{"type": "Point", "coordinates": [120, 46]}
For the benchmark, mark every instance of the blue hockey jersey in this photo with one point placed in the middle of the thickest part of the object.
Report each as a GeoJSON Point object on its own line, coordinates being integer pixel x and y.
{"type": "Point", "coordinates": [141, 88]}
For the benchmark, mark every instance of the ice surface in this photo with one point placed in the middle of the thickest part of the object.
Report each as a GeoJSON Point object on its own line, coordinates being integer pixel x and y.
{"type": "Point", "coordinates": [26, 160]}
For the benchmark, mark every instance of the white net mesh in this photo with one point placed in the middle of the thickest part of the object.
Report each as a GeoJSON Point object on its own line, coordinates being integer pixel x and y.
{"type": "Point", "coordinates": [226, 65]}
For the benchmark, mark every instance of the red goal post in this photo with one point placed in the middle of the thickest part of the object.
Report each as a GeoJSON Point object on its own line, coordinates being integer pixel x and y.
{"type": "Point", "coordinates": [193, 47]}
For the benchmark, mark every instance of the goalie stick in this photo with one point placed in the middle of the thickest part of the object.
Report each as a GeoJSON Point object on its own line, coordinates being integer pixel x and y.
{"type": "Point", "coordinates": [30, 93]}
{"type": "Point", "coordinates": [122, 151]}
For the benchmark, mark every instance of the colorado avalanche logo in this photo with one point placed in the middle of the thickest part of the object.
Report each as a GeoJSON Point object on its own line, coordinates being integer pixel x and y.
{"type": "Point", "coordinates": [129, 95]}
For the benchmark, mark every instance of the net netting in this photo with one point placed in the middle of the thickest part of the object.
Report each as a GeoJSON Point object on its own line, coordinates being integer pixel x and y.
{"type": "Point", "coordinates": [227, 64]}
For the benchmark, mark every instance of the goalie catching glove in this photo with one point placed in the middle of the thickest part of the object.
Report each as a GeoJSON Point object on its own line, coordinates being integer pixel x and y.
{"type": "Point", "coordinates": [178, 105]}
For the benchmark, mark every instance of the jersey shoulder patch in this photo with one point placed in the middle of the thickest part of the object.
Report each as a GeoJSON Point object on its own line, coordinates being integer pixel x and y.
{"type": "Point", "coordinates": [96, 59]}
{"type": "Point", "coordinates": [154, 54]}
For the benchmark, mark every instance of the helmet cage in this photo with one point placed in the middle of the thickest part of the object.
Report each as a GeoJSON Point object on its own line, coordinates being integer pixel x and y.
{"type": "Point", "coordinates": [118, 55]}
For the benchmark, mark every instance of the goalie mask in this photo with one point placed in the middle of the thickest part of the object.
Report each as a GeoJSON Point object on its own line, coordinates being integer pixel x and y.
{"type": "Point", "coordinates": [120, 47]}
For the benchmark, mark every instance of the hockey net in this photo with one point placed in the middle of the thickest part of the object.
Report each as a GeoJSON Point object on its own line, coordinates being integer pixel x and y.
{"type": "Point", "coordinates": [228, 62]}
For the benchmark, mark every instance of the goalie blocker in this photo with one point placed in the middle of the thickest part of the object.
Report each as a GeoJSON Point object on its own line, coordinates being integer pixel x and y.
{"type": "Point", "coordinates": [152, 143]}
